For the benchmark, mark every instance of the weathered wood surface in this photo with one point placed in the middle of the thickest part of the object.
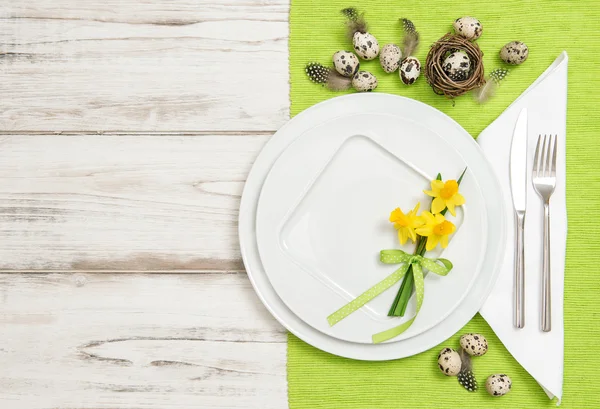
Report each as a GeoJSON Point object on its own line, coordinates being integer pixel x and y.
{"type": "Point", "coordinates": [103, 209]}
{"type": "Point", "coordinates": [138, 341]}
{"type": "Point", "coordinates": [153, 65]}
{"type": "Point", "coordinates": [122, 202]}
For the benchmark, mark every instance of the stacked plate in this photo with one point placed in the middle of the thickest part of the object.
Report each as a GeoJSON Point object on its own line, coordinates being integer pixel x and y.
{"type": "Point", "coordinates": [314, 216]}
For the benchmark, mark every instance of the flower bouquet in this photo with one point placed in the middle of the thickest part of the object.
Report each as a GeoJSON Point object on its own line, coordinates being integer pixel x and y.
{"type": "Point", "coordinates": [427, 230]}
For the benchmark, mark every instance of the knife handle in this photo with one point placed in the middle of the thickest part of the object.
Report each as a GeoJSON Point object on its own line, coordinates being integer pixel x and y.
{"type": "Point", "coordinates": [519, 282]}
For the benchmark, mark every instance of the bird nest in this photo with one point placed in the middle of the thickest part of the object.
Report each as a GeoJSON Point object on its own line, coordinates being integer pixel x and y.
{"type": "Point", "coordinates": [441, 82]}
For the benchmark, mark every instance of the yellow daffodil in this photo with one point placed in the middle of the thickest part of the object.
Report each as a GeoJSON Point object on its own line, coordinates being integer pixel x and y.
{"type": "Point", "coordinates": [406, 223]}
{"type": "Point", "coordinates": [436, 229]}
{"type": "Point", "coordinates": [446, 195]}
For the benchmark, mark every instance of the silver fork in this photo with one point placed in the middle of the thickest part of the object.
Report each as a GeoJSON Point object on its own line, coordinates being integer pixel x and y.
{"type": "Point", "coordinates": [544, 182]}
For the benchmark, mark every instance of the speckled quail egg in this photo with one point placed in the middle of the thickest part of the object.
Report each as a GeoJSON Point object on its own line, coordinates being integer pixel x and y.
{"type": "Point", "coordinates": [515, 53]}
{"type": "Point", "coordinates": [410, 69]}
{"type": "Point", "coordinates": [474, 344]}
{"type": "Point", "coordinates": [449, 362]}
{"type": "Point", "coordinates": [365, 45]}
{"type": "Point", "coordinates": [346, 63]}
{"type": "Point", "coordinates": [390, 57]}
{"type": "Point", "coordinates": [457, 65]}
{"type": "Point", "coordinates": [468, 27]}
{"type": "Point", "coordinates": [498, 385]}
{"type": "Point", "coordinates": [364, 81]}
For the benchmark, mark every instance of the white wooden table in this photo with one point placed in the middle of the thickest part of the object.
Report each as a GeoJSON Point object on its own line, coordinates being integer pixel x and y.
{"type": "Point", "coordinates": [127, 129]}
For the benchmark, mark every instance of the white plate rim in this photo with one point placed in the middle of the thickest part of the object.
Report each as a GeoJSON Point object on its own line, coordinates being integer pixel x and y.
{"type": "Point", "coordinates": [375, 352]}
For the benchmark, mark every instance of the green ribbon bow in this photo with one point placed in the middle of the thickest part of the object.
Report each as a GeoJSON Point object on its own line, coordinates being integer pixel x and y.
{"type": "Point", "coordinates": [395, 257]}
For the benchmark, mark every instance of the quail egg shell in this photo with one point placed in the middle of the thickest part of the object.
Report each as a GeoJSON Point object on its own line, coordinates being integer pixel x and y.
{"type": "Point", "coordinates": [390, 57]}
{"type": "Point", "coordinates": [365, 45]}
{"type": "Point", "coordinates": [468, 27]}
{"type": "Point", "coordinates": [474, 344]}
{"type": "Point", "coordinates": [449, 362]}
{"type": "Point", "coordinates": [457, 65]}
{"type": "Point", "coordinates": [515, 53]}
{"type": "Point", "coordinates": [410, 69]}
{"type": "Point", "coordinates": [364, 81]}
{"type": "Point", "coordinates": [498, 384]}
{"type": "Point", "coordinates": [345, 63]}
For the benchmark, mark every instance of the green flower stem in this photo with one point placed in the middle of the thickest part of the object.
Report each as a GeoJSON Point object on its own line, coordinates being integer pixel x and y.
{"type": "Point", "coordinates": [406, 294]}
{"type": "Point", "coordinates": [400, 303]}
{"type": "Point", "coordinates": [406, 283]}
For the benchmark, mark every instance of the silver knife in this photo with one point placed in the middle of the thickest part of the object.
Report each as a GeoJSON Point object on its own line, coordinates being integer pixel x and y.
{"type": "Point", "coordinates": [518, 184]}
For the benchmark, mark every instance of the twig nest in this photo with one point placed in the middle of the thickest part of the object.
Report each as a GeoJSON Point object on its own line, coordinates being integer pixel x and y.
{"type": "Point", "coordinates": [474, 344]}
{"type": "Point", "coordinates": [515, 53]}
{"type": "Point", "coordinates": [365, 45]}
{"type": "Point", "coordinates": [390, 57]}
{"type": "Point", "coordinates": [449, 362]}
{"type": "Point", "coordinates": [441, 82]}
{"type": "Point", "coordinates": [364, 81]}
{"type": "Point", "coordinates": [410, 69]}
{"type": "Point", "coordinates": [498, 385]}
{"type": "Point", "coordinates": [468, 27]}
{"type": "Point", "coordinates": [346, 63]}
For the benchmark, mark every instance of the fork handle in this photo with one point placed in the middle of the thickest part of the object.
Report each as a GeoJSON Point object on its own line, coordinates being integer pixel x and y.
{"type": "Point", "coordinates": [546, 286]}
{"type": "Point", "coordinates": [519, 279]}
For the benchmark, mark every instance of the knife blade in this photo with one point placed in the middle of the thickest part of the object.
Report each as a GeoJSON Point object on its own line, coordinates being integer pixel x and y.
{"type": "Point", "coordinates": [518, 184]}
{"type": "Point", "coordinates": [518, 163]}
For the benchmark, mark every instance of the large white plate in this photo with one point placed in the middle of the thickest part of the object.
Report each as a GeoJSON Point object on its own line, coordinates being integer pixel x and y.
{"type": "Point", "coordinates": [322, 219]}
{"type": "Point", "coordinates": [453, 134]}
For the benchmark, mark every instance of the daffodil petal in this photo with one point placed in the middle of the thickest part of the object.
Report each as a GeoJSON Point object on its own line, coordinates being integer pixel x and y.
{"type": "Point", "coordinates": [430, 193]}
{"type": "Point", "coordinates": [438, 205]}
{"type": "Point", "coordinates": [424, 231]}
{"type": "Point", "coordinates": [459, 199]}
{"type": "Point", "coordinates": [453, 229]}
{"type": "Point", "coordinates": [403, 235]}
{"type": "Point", "coordinates": [437, 185]}
{"type": "Point", "coordinates": [432, 242]}
{"type": "Point", "coordinates": [450, 205]}
{"type": "Point", "coordinates": [418, 221]}
{"type": "Point", "coordinates": [428, 217]}
{"type": "Point", "coordinates": [412, 234]}
{"type": "Point", "coordinates": [439, 218]}
{"type": "Point", "coordinates": [444, 241]}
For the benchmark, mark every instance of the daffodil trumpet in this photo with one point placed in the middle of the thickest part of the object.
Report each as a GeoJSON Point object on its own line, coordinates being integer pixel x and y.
{"type": "Point", "coordinates": [427, 230]}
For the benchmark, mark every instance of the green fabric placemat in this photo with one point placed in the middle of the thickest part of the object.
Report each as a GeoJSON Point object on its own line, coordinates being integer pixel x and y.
{"type": "Point", "coordinates": [320, 380]}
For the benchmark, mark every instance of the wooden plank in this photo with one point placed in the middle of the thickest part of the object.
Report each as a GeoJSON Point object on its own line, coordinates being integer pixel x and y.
{"type": "Point", "coordinates": [138, 341]}
{"type": "Point", "coordinates": [123, 202]}
{"type": "Point", "coordinates": [156, 65]}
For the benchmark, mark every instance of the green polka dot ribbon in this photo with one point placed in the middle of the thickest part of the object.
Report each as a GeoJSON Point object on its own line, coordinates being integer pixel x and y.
{"type": "Point", "coordinates": [438, 266]}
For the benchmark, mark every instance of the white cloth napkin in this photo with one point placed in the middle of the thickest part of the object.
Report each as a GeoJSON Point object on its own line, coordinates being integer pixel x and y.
{"type": "Point", "coordinates": [540, 353]}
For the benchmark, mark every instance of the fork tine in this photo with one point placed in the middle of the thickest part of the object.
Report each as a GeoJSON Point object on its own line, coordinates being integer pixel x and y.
{"type": "Point", "coordinates": [554, 149]}
{"type": "Point", "coordinates": [550, 150]}
{"type": "Point", "coordinates": [549, 156]}
{"type": "Point", "coordinates": [543, 154]}
{"type": "Point", "coordinates": [536, 160]}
